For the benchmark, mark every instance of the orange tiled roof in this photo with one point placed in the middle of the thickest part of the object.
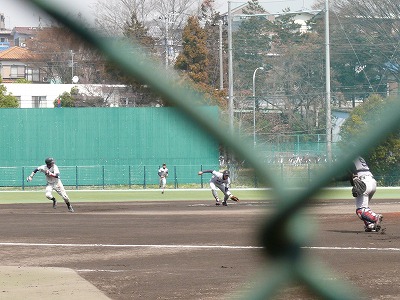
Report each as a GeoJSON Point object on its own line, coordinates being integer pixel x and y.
{"type": "Point", "coordinates": [15, 53]}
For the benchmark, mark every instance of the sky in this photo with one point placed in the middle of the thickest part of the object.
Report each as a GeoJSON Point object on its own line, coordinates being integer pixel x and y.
{"type": "Point", "coordinates": [20, 13]}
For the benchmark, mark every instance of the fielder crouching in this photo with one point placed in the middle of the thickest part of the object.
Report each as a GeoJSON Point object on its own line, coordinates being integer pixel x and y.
{"type": "Point", "coordinates": [222, 181]}
{"type": "Point", "coordinates": [52, 173]}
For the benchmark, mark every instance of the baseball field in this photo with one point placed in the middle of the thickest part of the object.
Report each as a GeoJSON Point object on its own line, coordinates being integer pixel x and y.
{"type": "Point", "coordinates": [179, 245]}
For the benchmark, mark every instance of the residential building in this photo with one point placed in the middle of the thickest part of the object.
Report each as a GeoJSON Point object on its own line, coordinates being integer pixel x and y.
{"type": "Point", "coordinates": [6, 40]}
{"type": "Point", "coordinates": [18, 63]}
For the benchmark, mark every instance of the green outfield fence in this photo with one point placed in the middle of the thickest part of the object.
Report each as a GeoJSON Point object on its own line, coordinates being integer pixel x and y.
{"type": "Point", "coordinates": [107, 176]}
{"type": "Point", "coordinates": [285, 231]}
{"type": "Point", "coordinates": [180, 176]}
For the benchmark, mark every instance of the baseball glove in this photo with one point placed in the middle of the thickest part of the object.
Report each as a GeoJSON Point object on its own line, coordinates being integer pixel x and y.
{"type": "Point", "coordinates": [359, 187]}
{"type": "Point", "coordinates": [234, 198]}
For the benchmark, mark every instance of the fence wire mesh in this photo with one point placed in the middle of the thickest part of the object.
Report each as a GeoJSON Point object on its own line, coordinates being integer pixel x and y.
{"type": "Point", "coordinates": [286, 230]}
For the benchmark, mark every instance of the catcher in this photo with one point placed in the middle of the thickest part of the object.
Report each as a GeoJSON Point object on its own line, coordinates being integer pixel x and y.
{"type": "Point", "coordinates": [364, 187]}
{"type": "Point", "coordinates": [222, 181]}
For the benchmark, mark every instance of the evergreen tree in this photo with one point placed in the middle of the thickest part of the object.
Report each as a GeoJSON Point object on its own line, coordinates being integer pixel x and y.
{"type": "Point", "coordinates": [193, 59]}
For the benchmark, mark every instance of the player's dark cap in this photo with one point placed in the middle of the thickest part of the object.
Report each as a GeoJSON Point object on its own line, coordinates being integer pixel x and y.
{"type": "Point", "coordinates": [226, 173]}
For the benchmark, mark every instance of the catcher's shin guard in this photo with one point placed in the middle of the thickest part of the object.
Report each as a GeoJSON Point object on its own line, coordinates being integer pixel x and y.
{"type": "Point", "coordinates": [367, 215]}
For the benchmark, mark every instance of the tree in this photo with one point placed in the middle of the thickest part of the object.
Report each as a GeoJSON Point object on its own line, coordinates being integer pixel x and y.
{"type": "Point", "coordinates": [112, 16]}
{"type": "Point", "coordinates": [364, 46]}
{"type": "Point", "coordinates": [213, 24]}
{"type": "Point", "coordinates": [194, 56]}
{"type": "Point", "coordinates": [251, 45]}
{"type": "Point", "coordinates": [164, 18]}
{"type": "Point", "coordinates": [193, 62]}
{"type": "Point", "coordinates": [383, 159]}
{"type": "Point", "coordinates": [140, 95]}
{"type": "Point", "coordinates": [7, 100]}
{"type": "Point", "coordinates": [66, 99]}
{"type": "Point", "coordinates": [77, 99]}
{"type": "Point", "coordinates": [60, 55]}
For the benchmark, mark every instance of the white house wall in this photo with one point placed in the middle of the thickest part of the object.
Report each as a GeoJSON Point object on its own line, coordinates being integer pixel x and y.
{"type": "Point", "coordinates": [50, 92]}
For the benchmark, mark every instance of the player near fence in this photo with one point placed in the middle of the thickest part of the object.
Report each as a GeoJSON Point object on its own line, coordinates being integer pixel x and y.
{"type": "Point", "coordinates": [364, 187]}
{"type": "Point", "coordinates": [52, 173]}
{"type": "Point", "coordinates": [221, 181]}
{"type": "Point", "coordinates": [163, 174]}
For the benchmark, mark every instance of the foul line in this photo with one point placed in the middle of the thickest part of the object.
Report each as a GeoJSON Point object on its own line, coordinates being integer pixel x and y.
{"type": "Point", "coordinates": [189, 246]}
{"type": "Point", "coordinates": [132, 246]}
{"type": "Point", "coordinates": [352, 248]}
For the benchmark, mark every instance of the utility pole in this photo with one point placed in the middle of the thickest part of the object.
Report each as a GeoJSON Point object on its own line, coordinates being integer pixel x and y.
{"type": "Point", "coordinates": [328, 85]}
{"type": "Point", "coordinates": [230, 69]}
{"type": "Point", "coordinates": [166, 41]}
{"type": "Point", "coordinates": [221, 65]}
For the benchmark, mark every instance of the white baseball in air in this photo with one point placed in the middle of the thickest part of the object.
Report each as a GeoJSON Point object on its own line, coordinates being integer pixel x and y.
{"type": "Point", "coordinates": [75, 79]}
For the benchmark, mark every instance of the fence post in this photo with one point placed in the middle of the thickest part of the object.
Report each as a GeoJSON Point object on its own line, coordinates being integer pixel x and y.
{"type": "Point", "coordinates": [201, 177]}
{"type": "Point", "coordinates": [23, 178]}
{"type": "Point", "coordinates": [129, 177]}
{"type": "Point", "coordinates": [144, 177]}
{"type": "Point", "coordinates": [103, 176]}
{"type": "Point", "coordinates": [175, 178]}
{"type": "Point", "coordinates": [76, 177]}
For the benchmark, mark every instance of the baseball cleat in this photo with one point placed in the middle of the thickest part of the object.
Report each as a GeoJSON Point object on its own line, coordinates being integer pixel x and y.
{"type": "Point", "coordinates": [378, 222]}
{"type": "Point", "coordinates": [70, 209]}
{"type": "Point", "coordinates": [224, 203]}
{"type": "Point", "coordinates": [370, 227]}
{"type": "Point", "coordinates": [54, 204]}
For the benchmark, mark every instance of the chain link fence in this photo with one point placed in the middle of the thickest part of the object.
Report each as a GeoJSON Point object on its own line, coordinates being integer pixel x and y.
{"type": "Point", "coordinates": [283, 232]}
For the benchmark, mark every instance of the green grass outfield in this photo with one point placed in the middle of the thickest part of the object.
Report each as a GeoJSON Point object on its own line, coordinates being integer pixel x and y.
{"type": "Point", "coordinates": [37, 196]}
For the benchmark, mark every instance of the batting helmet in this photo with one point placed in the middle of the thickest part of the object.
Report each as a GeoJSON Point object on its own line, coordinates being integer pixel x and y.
{"type": "Point", "coordinates": [49, 161]}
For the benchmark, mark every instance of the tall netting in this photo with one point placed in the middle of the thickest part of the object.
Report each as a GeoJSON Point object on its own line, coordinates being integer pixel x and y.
{"type": "Point", "coordinates": [283, 232]}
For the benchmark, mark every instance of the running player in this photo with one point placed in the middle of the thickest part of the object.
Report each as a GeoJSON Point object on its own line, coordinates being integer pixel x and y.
{"type": "Point", "coordinates": [52, 173]}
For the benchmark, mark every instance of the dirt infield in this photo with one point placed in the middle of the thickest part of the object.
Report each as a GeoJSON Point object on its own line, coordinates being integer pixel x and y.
{"type": "Point", "coordinates": [181, 250]}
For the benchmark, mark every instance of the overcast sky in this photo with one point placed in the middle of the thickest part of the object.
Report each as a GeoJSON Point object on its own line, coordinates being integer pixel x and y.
{"type": "Point", "coordinates": [19, 13]}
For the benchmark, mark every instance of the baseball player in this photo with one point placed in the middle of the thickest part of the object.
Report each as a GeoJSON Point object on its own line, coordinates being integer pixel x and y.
{"type": "Point", "coordinates": [364, 187]}
{"type": "Point", "coordinates": [52, 173]}
{"type": "Point", "coordinates": [163, 174]}
{"type": "Point", "coordinates": [222, 181]}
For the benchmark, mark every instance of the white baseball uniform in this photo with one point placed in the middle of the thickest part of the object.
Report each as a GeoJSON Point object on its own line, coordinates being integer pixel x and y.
{"type": "Point", "coordinates": [217, 181]}
{"type": "Point", "coordinates": [54, 182]}
{"type": "Point", "coordinates": [163, 174]}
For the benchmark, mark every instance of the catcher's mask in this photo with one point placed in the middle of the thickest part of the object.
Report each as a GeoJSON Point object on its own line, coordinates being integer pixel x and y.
{"type": "Point", "coordinates": [49, 161]}
{"type": "Point", "coordinates": [226, 173]}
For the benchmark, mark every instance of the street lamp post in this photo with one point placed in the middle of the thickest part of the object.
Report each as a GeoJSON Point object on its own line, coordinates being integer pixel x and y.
{"type": "Point", "coordinates": [254, 104]}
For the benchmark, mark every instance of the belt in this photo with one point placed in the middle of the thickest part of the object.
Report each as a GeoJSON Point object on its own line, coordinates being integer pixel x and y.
{"type": "Point", "coordinates": [362, 177]}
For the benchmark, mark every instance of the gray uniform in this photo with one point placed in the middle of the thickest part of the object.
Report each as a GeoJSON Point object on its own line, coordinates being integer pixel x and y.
{"type": "Point", "coordinates": [221, 182]}
{"type": "Point", "coordinates": [54, 182]}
